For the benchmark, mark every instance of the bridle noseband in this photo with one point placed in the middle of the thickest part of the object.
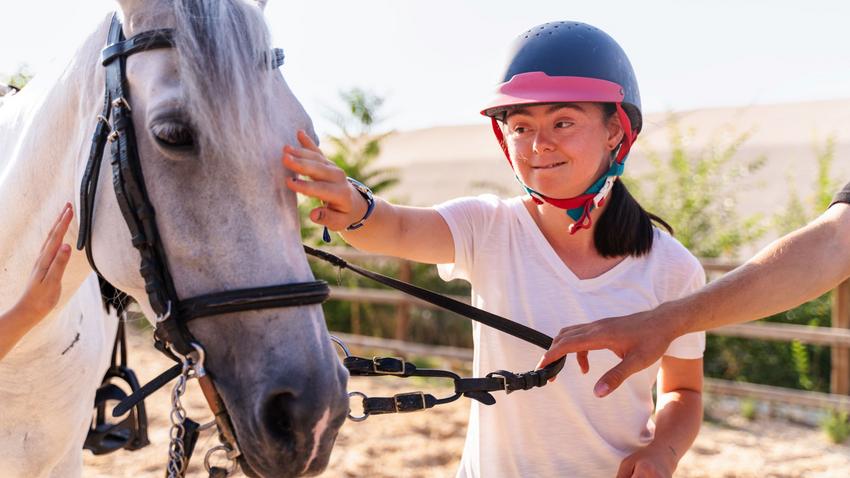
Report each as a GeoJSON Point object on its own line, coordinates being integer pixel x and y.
{"type": "Point", "coordinates": [172, 312]}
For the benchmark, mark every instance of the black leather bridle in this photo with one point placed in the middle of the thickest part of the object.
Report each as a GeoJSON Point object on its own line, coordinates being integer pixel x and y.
{"type": "Point", "coordinates": [172, 312]}
{"type": "Point", "coordinates": [172, 336]}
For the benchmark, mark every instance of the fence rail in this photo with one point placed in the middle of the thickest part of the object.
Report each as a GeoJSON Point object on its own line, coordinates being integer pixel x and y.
{"type": "Point", "coordinates": [837, 337]}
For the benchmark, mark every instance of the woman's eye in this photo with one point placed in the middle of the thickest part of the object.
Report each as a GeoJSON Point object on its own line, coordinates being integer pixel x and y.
{"type": "Point", "coordinates": [519, 129]}
{"type": "Point", "coordinates": [173, 135]}
{"type": "Point", "coordinates": [563, 124]}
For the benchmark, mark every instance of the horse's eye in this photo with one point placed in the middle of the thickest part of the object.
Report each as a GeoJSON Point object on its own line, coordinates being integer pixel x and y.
{"type": "Point", "coordinates": [173, 134]}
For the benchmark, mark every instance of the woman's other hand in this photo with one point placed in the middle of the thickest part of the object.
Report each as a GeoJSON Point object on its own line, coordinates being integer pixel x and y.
{"type": "Point", "coordinates": [649, 462]}
{"type": "Point", "coordinates": [45, 283]}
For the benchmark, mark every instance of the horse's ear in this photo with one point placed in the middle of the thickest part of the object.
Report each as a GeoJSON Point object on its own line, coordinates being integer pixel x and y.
{"type": "Point", "coordinates": [261, 4]}
{"type": "Point", "coordinates": [126, 7]}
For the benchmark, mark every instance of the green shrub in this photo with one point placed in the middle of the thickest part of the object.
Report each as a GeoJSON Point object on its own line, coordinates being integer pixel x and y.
{"type": "Point", "coordinates": [695, 192]}
{"type": "Point", "coordinates": [837, 426]}
{"type": "Point", "coordinates": [749, 408]}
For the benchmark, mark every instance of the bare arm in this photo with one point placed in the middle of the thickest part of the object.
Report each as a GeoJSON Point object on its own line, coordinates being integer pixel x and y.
{"type": "Point", "coordinates": [795, 268]}
{"type": "Point", "coordinates": [415, 233]}
{"type": "Point", "coordinates": [678, 416]}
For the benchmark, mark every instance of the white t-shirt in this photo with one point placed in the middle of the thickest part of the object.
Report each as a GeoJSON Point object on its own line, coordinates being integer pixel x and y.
{"type": "Point", "coordinates": [561, 429]}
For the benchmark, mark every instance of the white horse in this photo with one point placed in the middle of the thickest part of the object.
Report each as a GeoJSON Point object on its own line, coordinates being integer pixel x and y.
{"type": "Point", "coordinates": [210, 125]}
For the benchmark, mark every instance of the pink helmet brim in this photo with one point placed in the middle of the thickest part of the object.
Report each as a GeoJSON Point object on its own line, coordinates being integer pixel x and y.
{"type": "Point", "coordinates": [537, 87]}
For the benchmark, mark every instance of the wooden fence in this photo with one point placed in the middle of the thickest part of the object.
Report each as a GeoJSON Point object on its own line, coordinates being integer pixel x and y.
{"type": "Point", "coordinates": [837, 337]}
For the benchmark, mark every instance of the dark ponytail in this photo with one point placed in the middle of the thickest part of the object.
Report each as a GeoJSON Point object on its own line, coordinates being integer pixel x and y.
{"type": "Point", "coordinates": [625, 228]}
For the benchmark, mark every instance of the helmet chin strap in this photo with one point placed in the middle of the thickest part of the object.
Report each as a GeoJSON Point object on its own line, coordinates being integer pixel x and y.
{"type": "Point", "coordinates": [578, 208]}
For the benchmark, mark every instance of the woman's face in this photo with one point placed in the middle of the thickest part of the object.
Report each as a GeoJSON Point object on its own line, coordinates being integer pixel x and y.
{"type": "Point", "coordinates": [560, 149]}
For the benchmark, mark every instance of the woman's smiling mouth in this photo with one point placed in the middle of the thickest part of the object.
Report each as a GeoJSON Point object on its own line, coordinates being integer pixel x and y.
{"type": "Point", "coordinates": [549, 166]}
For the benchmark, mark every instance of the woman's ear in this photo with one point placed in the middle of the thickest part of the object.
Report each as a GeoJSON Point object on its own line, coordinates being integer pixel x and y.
{"type": "Point", "coordinates": [615, 132]}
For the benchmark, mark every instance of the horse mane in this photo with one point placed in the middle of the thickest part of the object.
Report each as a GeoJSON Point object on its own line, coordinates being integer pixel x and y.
{"type": "Point", "coordinates": [224, 63]}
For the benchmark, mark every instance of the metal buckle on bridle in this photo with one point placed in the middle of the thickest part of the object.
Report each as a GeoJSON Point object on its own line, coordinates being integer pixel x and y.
{"type": "Point", "coordinates": [504, 380]}
{"type": "Point", "coordinates": [412, 406]}
{"type": "Point", "coordinates": [357, 418]}
{"type": "Point", "coordinates": [376, 366]}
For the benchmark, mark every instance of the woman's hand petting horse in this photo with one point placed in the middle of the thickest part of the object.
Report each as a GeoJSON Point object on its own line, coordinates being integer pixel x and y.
{"type": "Point", "coordinates": [342, 205]}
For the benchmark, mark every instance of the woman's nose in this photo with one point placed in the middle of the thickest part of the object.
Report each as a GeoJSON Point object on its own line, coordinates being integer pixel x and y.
{"type": "Point", "coordinates": [543, 142]}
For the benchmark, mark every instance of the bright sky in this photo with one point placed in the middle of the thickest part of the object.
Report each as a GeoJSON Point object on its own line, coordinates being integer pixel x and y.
{"type": "Point", "coordinates": [436, 61]}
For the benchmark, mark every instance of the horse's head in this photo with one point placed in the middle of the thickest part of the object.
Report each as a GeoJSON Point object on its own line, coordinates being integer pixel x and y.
{"type": "Point", "coordinates": [210, 120]}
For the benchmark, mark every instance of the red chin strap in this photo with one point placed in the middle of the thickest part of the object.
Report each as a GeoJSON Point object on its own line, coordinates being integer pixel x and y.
{"type": "Point", "coordinates": [629, 136]}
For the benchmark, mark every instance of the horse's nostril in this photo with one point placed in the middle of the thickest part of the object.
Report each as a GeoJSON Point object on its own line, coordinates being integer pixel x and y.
{"type": "Point", "coordinates": [278, 417]}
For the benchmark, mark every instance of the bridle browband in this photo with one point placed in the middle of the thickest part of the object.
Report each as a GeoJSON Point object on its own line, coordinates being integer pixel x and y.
{"type": "Point", "coordinates": [172, 313]}
{"type": "Point", "coordinates": [172, 336]}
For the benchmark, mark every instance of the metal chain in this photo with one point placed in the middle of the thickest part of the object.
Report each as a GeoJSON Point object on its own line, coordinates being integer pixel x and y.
{"type": "Point", "coordinates": [176, 453]}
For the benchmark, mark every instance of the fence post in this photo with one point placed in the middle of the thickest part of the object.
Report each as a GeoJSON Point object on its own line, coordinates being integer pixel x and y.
{"type": "Point", "coordinates": [840, 380]}
{"type": "Point", "coordinates": [403, 310]}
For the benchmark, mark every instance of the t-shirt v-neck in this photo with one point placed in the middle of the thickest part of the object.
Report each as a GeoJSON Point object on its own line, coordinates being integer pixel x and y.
{"type": "Point", "coordinates": [548, 251]}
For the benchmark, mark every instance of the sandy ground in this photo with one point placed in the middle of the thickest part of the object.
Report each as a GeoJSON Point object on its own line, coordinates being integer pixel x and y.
{"type": "Point", "coordinates": [429, 444]}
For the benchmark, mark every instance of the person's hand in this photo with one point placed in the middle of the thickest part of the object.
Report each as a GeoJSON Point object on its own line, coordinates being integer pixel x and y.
{"type": "Point", "coordinates": [45, 284]}
{"type": "Point", "coordinates": [639, 340]}
{"type": "Point", "coordinates": [343, 205]}
{"type": "Point", "coordinates": [649, 462]}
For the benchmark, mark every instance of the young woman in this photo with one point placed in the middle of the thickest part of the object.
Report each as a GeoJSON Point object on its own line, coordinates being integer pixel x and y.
{"type": "Point", "coordinates": [43, 289]}
{"type": "Point", "coordinates": [566, 114]}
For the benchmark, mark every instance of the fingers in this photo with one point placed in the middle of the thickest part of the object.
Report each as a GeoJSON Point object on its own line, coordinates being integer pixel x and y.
{"type": "Point", "coordinates": [308, 155]}
{"type": "Point", "coordinates": [314, 165]}
{"type": "Point", "coordinates": [53, 241]}
{"type": "Point", "coordinates": [306, 141]}
{"type": "Point", "coordinates": [56, 224]}
{"type": "Point", "coordinates": [327, 181]}
{"type": "Point", "coordinates": [546, 359]}
{"type": "Point", "coordinates": [329, 218]}
{"type": "Point", "coordinates": [615, 377]}
{"type": "Point", "coordinates": [337, 196]}
{"type": "Point", "coordinates": [581, 358]}
{"type": "Point", "coordinates": [57, 267]}
{"type": "Point", "coordinates": [570, 340]}
{"type": "Point", "coordinates": [627, 467]}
